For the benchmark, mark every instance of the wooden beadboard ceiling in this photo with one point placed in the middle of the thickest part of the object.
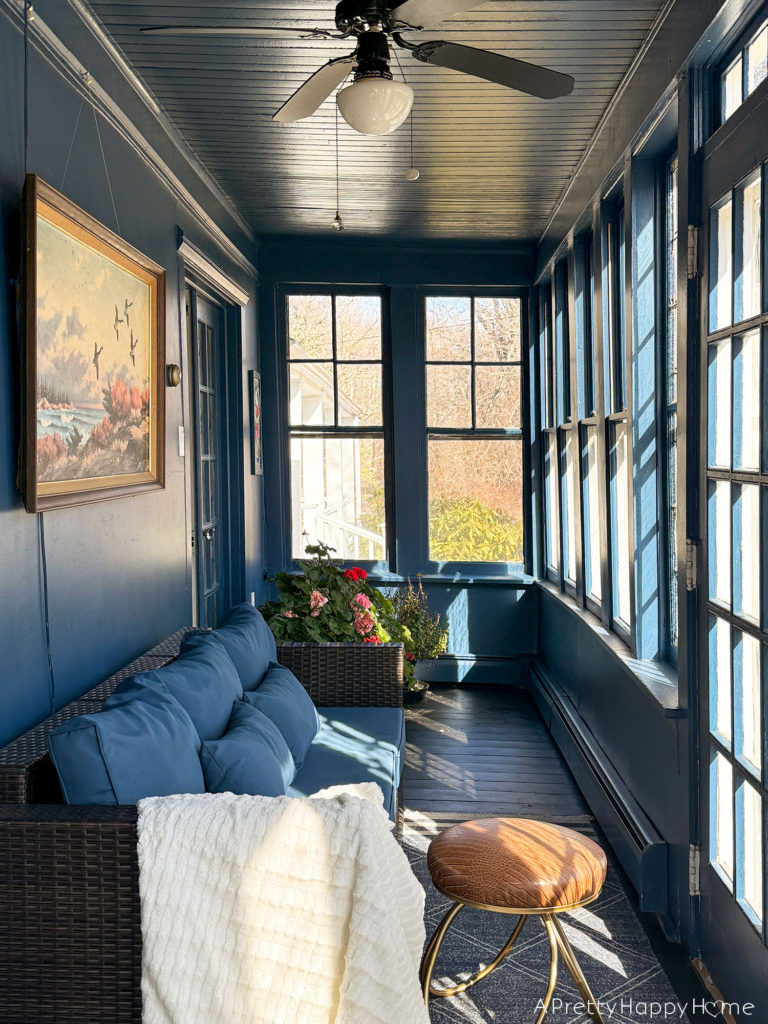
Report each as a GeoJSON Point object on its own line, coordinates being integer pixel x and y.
{"type": "Point", "coordinates": [493, 162]}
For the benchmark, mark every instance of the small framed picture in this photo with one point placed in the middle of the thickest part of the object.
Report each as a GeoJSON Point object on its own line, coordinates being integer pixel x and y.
{"type": "Point", "coordinates": [257, 454]}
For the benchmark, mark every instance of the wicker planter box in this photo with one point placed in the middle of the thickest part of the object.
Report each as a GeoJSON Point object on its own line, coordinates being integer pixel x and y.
{"type": "Point", "coordinates": [347, 674]}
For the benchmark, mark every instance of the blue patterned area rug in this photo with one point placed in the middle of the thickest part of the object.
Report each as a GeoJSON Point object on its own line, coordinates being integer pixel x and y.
{"type": "Point", "coordinates": [607, 937]}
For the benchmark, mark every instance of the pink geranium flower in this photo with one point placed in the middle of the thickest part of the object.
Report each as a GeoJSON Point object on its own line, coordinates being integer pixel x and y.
{"type": "Point", "coordinates": [364, 623]}
{"type": "Point", "coordinates": [317, 600]}
{"type": "Point", "coordinates": [360, 601]}
{"type": "Point", "coordinates": [291, 615]}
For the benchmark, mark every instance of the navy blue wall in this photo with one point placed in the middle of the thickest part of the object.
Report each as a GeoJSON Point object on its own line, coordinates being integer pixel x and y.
{"type": "Point", "coordinates": [493, 623]}
{"type": "Point", "coordinates": [119, 571]}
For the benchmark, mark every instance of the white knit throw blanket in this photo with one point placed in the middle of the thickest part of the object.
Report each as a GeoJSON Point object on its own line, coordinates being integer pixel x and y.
{"type": "Point", "coordinates": [277, 911]}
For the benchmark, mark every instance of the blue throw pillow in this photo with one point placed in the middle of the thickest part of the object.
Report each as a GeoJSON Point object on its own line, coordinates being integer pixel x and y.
{"type": "Point", "coordinates": [284, 700]}
{"type": "Point", "coordinates": [131, 749]}
{"type": "Point", "coordinates": [202, 679]}
{"type": "Point", "coordinates": [251, 757]}
{"type": "Point", "coordinates": [249, 643]}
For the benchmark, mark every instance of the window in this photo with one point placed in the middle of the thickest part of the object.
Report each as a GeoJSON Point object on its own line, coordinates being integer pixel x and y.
{"type": "Point", "coordinates": [336, 424]}
{"type": "Point", "coordinates": [744, 71]}
{"type": "Point", "coordinates": [737, 510]}
{"type": "Point", "coordinates": [588, 429]}
{"type": "Point", "coordinates": [670, 404]}
{"type": "Point", "coordinates": [566, 430]}
{"type": "Point", "coordinates": [474, 428]}
{"type": "Point", "coordinates": [617, 425]}
{"type": "Point", "coordinates": [549, 435]}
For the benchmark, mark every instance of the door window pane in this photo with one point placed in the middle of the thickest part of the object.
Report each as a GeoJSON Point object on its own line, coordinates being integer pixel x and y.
{"type": "Point", "coordinates": [358, 327]}
{"type": "Point", "coordinates": [497, 397]}
{"type": "Point", "coordinates": [746, 695]}
{"type": "Point", "coordinates": [719, 401]}
{"type": "Point", "coordinates": [591, 515]}
{"type": "Point", "coordinates": [749, 875]}
{"type": "Point", "coordinates": [337, 495]}
{"type": "Point", "coordinates": [719, 547]}
{"type": "Point", "coordinates": [748, 277]}
{"type": "Point", "coordinates": [497, 330]}
{"type": "Point", "coordinates": [720, 715]}
{"type": "Point", "coordinates": [746, 401]}
{"type": "Point", "coordinates": [449, 328]}
{"type": "Point", "coordinates": [620, 523]}
{"type": "Point", "coordinates": [721, 266]}
{"type": "Point", "coordinates": [449, 396]}
{"type": "Point", "coordinates": [310, 327]}
{"type": "Point", "coordinates": [475, 500]}
{"type": "Point", "coordinates": [746, 552]}
{"type": "Point", "coordinates": [721, 817]}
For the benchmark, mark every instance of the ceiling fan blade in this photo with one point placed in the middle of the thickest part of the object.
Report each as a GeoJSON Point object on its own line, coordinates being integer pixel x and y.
{"type": "Point", "coordinates": [243, 30]}
{"type": "Point", "coordinates": [315, 90]}
{"type": "Point", "coordinates": [425, 13]}
{"type": "Point", "coordinates": [494, 67]}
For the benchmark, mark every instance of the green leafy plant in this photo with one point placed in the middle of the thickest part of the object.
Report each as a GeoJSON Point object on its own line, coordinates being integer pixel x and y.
{"type": "Point", "coordinates": [428, 636]}
{"type": "Point", "coordinates": [326, 603]}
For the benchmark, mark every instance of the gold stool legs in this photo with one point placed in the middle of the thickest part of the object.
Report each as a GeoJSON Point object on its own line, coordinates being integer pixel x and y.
{"type": "Point", "coordinates": [558, 944]}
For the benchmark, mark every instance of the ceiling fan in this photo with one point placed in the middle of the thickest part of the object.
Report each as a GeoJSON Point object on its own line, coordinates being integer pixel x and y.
{"type": "Point", "coordinates": [375, 104]}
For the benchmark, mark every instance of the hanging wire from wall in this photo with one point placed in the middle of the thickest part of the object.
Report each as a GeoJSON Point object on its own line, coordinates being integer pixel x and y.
{"type": "Point", "coordinates": [338, 223]}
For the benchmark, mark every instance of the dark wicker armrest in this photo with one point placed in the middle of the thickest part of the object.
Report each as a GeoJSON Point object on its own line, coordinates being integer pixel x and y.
{"type": "Point", "coordinates": [347, 675]}
{"type": "Point", "coordinates": [70, 922]}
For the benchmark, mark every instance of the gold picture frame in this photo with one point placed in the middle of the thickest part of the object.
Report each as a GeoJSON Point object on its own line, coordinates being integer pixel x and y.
{"type": "Point", "coordinates": [94, 395]}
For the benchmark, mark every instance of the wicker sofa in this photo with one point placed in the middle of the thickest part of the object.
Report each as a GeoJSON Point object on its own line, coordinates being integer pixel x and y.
{"type": "Point", "coordinates": [70, 934]}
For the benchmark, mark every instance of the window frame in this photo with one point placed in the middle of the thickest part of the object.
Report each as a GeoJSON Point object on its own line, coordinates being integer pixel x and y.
{"type": "Point", "coordinates": [737, 50]}
{"type": "Point", "coordinates": [477, 569]}
{"type": "Point", "coordinates": [290, 431]}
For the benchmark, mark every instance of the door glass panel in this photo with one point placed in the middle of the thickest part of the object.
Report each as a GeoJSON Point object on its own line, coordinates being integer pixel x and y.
{"type": "Point", "coordinates": [746, 695]}
{"type": "Point", "coordinates": [746, 552]}
{"type": "Point", "coordinates": [720, 717]}
{"type": "Point", "coordinates": [719, 401]}
{"type": "Point", "coordinates": [746, 401]}
{"type": "Point", "coordinates": [749, 836]}
{"type": "Point", "coordinates": [748, 278]}
{"type": "Point", "coordinates": [721, 817]}
{"type": "Point", "coordinates": [719, 546]}
{"type": "Point", "coordinates": [721, 266]}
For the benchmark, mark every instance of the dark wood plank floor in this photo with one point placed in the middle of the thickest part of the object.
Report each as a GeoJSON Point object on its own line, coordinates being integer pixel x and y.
{"type": "Point", "coordinates": [485, 750]}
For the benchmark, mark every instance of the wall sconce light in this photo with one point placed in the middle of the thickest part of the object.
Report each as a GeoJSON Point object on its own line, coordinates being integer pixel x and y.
{"type": "Point", "coordinates": [173, 375]}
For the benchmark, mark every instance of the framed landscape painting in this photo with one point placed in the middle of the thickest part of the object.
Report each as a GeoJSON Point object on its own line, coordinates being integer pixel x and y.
{"type": "Point", "coordinates": [94, 358]}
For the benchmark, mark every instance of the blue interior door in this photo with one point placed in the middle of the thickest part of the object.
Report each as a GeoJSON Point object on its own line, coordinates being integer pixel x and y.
{"type": "Point", "coordinates": [734, 525]}
{"type": "Point", "coordinates": [211, 534]}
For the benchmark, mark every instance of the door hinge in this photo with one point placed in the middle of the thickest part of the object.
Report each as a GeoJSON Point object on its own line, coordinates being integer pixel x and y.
{"type": "Point", "coordinates": [691, 564]}
{"type": "Point", "coordinates": [693, 252]}
{"type": "Point", "coordinates": [694, 870]}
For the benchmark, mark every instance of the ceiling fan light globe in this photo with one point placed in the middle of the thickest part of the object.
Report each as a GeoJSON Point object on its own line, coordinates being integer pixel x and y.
{"type": "Point", "coordinates": [375, 106]}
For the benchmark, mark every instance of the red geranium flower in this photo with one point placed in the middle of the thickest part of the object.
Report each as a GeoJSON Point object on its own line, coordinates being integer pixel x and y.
{"type": "Point", "coordinates": [372, 640]}
{"type": "Point", "coordinates": [355, 573]}
{"type": "Point", "coordinates": [410, 656]}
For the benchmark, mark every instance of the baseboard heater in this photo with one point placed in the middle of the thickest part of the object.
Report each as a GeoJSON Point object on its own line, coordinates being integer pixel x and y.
{"type": "Point", "coordinates": [643, 853]}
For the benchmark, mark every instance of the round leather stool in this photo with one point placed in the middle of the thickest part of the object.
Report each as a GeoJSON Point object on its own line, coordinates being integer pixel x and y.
{"type": "Point", "coordinates": [515, 866]}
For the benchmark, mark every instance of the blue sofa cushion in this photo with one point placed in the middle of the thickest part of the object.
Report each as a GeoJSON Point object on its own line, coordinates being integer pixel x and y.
{"type": "Point", "coordinates": [251, 757]}
{"type": "Point", "coordinates": [202, 679]}
{"type": "Point", "coordinates": [131, 749]}
{"type": "Point", "coordinates": [355, 745]}
{"type": "Point", "coordinates": [282, 698]}
{"type": "Point", "coordinates": [249, 643]}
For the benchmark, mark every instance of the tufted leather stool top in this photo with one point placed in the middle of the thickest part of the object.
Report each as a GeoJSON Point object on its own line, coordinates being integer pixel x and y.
{"type": "Point", "coordinates": [516, 864]}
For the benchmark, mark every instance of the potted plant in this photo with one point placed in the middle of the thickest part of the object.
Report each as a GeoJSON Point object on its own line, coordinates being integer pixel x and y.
{"type": "Point", "coordinates": [326, 615]}
{"type": "Point", "coordinates": [428, 637]}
